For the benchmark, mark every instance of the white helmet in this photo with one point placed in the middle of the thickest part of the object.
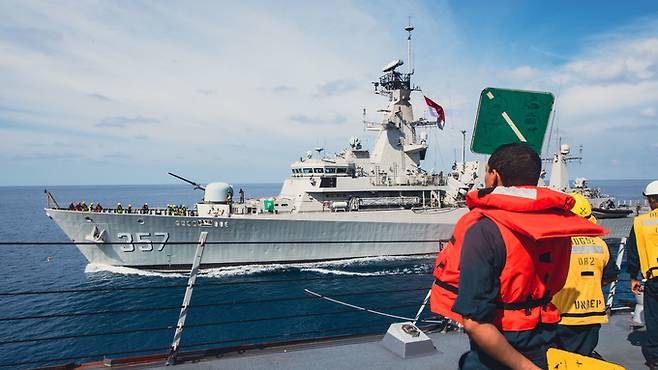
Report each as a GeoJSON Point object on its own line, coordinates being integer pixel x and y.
{"type": "Point", "coordinates": [651, 189]}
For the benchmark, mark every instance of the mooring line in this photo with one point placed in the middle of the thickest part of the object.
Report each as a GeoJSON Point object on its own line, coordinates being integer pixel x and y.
{"type": "Point", "coordinates": [318, 295]}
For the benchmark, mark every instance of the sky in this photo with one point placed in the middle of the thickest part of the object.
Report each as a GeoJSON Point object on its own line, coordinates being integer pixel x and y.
{"type": "Point", "coordinates": [122, 92]}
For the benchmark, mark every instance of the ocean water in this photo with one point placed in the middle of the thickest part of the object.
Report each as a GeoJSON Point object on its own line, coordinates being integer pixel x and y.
{"type": "Point", "coordinates": [127, 312]}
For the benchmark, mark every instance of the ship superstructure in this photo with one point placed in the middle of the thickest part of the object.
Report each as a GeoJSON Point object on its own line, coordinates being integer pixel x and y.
{"type": "Point", "coordinates": [358, 203]}
{"type": "Point", "coordinates": [603, 205]}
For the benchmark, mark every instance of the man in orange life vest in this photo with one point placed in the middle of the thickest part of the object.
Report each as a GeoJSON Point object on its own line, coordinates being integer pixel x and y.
{"type": "Point", "coordinates": [506, 259]}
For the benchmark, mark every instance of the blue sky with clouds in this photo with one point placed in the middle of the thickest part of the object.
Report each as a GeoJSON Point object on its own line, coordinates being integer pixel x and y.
{"type": "Point", "coordinates": [122, 92]}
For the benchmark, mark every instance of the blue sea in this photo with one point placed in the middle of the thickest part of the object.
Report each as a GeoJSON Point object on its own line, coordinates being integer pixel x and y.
{"type": "Point", "coordinates": [81, 312]}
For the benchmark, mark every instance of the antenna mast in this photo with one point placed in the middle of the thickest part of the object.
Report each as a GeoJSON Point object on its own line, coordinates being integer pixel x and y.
{"type": "Point", "coordinates": [463, 151]}
{"type": "Point", "coordinates": [409, 28]}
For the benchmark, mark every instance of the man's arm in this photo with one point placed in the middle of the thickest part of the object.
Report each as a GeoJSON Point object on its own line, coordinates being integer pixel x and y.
{"type": "Point", "coordinates": [492, 341]}
{"type": "Point", "coordinates": [482, 260]}
{"type": "Point", "coordinates": [633, 261]}
{"type": "Point", "coordinates": [610, 271]}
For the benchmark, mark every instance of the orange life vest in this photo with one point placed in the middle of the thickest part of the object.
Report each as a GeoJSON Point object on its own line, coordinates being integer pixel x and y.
{"type": "Point", "coordinates": [536, 226]}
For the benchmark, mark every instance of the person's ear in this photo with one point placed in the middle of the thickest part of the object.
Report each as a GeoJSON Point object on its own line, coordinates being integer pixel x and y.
{"type": "Point", "coordinates": [497, 180]}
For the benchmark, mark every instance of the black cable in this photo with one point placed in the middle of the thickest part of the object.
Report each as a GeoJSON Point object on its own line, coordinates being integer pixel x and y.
{"type": "Point", "coordinates": [299, 298]}
{"type": "Point", "coordinates": [100, 355]}
{"type": "Point", "coordinates": [94, 355]}
{"type": "Point", "coordinates": [205, 305]}
{"type": "Point", "coordinates": [204, 285]}
{"type": "Point", "coordinates": [91, 290]}
{"type": "Point", "coordinates": [208, 324]}
{"type": "Point", "coordinates": [339, 312]}
{"type": "Point", "coordinates": [236, 242]}
{"type": "Point", "coordinates": [91, 313]}
{"type": "Point", "coordinates": [74, 336]}
{"type": "Point", "coordinates": [281, 335]}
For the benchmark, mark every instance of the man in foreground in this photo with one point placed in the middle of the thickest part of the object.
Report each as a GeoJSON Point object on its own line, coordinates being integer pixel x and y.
{"type": "Point", "coordinates": [506, 259]}
{"type": "Point", "coordinates": [581, 303]}
{"type": "Point", "coordinates": [643, 257]}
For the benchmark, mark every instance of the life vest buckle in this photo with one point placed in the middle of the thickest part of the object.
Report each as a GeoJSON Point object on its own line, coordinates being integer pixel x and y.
{"type": "Point", "coordinates": [527, 310]}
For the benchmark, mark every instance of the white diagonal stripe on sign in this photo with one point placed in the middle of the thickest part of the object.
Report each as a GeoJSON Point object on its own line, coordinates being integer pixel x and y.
{"type": "Point", "coordinates": [514, 128]}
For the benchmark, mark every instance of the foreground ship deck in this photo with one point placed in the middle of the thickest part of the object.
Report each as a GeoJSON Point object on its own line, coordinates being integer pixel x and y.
{"type": "Point", "coordinates": [618, 344]}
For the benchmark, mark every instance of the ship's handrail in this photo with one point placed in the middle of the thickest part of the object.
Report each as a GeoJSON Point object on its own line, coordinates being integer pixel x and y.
{"type": "Point", "coordinates": [209, 305]}
{"type": "Point", "coordinates": [212, 342]}
{"type": "Point", "coordinates": [201, 325]}
{"type": "Point", "coordinates": [149, 287]}
{"type": "Point", "coordinates": [136, 211]}
{"type": "Point", "coordinates": [224, 242]}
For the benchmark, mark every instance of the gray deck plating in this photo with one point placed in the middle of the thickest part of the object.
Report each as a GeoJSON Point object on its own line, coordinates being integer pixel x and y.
{"type": "Point", "coordinates": [617, 344]}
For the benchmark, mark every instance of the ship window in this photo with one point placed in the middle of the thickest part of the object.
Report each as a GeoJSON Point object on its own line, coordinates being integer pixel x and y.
{"type": "Point", "coordinates": [328, 182]}
{"type": "Point", "coordinates": [341, 170]}
{"type": "Point", "coordinates": [308, 170]}
{"type": "Point", "coordinates": [318, 170]}
{"type": "Point", "coordinates": [330, 170]}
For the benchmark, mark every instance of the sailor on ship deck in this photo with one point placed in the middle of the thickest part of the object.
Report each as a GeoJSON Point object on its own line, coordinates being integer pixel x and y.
{"type": "Point", "coordinates": [581, 302]}
{"type": "Point", "coordinates": [506, 257]}
{"type": "Point", "coordinates": [642, 248]}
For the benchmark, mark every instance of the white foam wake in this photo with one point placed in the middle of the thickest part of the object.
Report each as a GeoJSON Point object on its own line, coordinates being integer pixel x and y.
{"type": "Point", "coordinates": [336, 267]}
{"type": "Point", "coordinates": [348, 273]}
{"type": "Point", "coordinates": [218, 272]}
{"type": "Point", "coordinates": [121, 270]}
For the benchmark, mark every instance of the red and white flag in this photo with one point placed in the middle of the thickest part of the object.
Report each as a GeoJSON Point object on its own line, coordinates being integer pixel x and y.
{"type": "Point", "coordinates": [436, 111]}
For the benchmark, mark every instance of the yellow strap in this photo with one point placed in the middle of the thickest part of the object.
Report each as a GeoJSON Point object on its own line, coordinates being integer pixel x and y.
{"type": "Point", "coordinates": [563, 360]}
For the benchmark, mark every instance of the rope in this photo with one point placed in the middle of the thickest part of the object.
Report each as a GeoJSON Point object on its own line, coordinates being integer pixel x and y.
{"type": "Point", "coordinates": [370, 310]}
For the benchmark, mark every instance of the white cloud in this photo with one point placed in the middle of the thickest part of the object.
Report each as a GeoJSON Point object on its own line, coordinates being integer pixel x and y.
{"type": "Point", "coordinates": [519, 74]}
{"type": "Point", "coordinates": [648, 112]}
{"type": "Point", "coordinates": [598, 99]}
{"type": "Point", "coordinates": [177, 78]}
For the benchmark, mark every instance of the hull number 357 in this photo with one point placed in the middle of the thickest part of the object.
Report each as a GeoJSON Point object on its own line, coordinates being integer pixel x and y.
{"type": "Point", "coordinates": [146, 242]}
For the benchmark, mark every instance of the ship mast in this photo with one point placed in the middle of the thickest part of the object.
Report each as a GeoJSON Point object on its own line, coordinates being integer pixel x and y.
{"type": "Point", "coordinates": [409, 28]}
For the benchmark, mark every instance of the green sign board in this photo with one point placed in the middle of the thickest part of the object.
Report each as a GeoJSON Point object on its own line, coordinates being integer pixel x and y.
{"type": "Point", "coordinates": [511, 116]}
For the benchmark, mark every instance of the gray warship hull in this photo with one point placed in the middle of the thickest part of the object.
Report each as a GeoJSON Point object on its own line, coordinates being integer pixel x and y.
{"type": "Point", "coordinates": [169, 242]}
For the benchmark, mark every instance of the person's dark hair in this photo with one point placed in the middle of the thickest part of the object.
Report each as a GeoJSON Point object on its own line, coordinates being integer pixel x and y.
{"type": "Point", "coordinates": [516, 163]}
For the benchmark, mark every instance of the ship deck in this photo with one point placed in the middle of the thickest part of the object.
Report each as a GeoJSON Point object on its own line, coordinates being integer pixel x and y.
{"type": "Point", "coordinates": [618, 343]}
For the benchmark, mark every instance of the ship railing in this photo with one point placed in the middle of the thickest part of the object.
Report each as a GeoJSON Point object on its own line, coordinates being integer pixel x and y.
{"type": "Point", "coordinates": [423, 180]}
{"type": "Point", "coordinates": [122, 321]}
{"type": "Point", "coordinates": [139, 211]}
